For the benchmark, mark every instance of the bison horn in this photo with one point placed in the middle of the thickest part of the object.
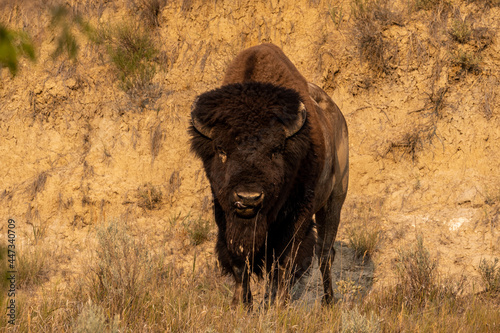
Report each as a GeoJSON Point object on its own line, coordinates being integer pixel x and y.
{"type": "Point", "coordinates": [299, 122]}
{"type": "Point", "coordinates": [202, 129]}
{"type": "Point", "coordinates": [198, 126]}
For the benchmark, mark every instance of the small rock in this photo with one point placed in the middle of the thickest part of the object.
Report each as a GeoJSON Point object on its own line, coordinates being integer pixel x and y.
{"type": "Point", "coordinates": [71, 84]}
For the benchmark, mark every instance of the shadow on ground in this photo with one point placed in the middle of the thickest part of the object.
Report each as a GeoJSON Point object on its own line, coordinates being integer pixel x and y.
{"type": "Point", "coordinates": [352, 277]}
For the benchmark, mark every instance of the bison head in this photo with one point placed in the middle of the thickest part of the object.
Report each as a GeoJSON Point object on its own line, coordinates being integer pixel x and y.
{"type": "Point", "coordinates": [251, 138]}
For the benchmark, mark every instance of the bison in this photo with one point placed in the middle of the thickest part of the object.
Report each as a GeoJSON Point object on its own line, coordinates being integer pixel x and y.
{"type": "Point", "coordinates": [275, 151]}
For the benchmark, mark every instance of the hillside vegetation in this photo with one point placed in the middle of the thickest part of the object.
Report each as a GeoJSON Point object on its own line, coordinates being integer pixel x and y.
{"type": "Point", "coordinates": [113, 213]}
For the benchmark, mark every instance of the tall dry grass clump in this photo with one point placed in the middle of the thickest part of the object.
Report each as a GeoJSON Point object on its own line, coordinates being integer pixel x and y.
{"type": "Point", "coordinates": [149, 196]}
{"type": "Point", "coordinates": [425, 300]}
{"type": "Point", "coordinates": [353, 321]}
{"type": "Point", "coordinates": [417, 274]}
{"type": "Point", "coordinates": [490, 275]}
{"type": "Point", "coordinates": [364, 239]}
{"type": "Point", "coordinates": [125, 275]}
{"type": "Point", "coordinates": [92, 318]}
{"type": "Point", "coordinates": [33, 266]}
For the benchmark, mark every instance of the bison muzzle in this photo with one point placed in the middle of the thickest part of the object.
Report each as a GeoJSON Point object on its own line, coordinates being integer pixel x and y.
{"type": "Point", "coordinates": [275, 150]}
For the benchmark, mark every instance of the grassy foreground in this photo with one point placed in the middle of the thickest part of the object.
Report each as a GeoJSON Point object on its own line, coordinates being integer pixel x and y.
{"type": "Point", "coordinates": [126, 287]}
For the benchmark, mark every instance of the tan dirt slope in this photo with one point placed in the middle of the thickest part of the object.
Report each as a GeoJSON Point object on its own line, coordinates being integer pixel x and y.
{"type": "Point", "coordinates": [78, 151]}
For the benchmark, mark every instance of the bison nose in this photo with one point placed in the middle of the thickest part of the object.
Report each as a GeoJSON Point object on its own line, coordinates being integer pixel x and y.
{"type": "Point", "coordinates": [250, 198]}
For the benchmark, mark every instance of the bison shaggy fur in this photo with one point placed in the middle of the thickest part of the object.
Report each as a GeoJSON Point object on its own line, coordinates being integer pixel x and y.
{"type": "Point", "coordinates": [275, 151]}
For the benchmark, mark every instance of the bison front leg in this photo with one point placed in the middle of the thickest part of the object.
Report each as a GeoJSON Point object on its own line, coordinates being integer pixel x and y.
{"type": "Point", "coordinates": [327, 220]}
{"type": "Point", "coordinates": [242, 292]}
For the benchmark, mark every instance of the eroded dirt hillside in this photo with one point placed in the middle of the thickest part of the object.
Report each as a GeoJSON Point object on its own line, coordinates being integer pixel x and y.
{"type": "Point", "coordinates": [79, 149]}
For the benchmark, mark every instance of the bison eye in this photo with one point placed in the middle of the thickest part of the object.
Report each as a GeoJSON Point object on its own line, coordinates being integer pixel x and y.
{"type": "Point", "coordinates": [222, 154]}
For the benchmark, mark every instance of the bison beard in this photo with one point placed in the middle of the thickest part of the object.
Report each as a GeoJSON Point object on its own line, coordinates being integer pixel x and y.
{"type": "Point", "coordinates": [243, 239]}
{"type": "Point", "coordinates": [265, 143]}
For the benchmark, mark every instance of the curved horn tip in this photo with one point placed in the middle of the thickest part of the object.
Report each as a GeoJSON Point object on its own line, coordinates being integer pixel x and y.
{"type": "Point", "coordinates": [299, 122]}
{"type": "Point", "coordinates": [195, 103]}
{"type": "Point", "coordinates": [302, 110]}
{"type": "Point", "coordinates": [202, 129]}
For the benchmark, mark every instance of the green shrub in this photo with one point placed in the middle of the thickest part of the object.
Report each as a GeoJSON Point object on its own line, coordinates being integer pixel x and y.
{"type": "Point", "coordinates": [198, 230]}
{"type": "Point", "coordinates": [132, 52]}
{"type": "Point", "coordinates": [14, 44]}
{"type": "Point", "coordinates": [461, 30]}
{"type": "Point", "coordinates": [149, 197]}
{"type": "Point", "coordinates": [490, 275]}
{"type": "Point", "coordinates": [363, 240]}
{"type": "Point", "coordinates": [467, 60]}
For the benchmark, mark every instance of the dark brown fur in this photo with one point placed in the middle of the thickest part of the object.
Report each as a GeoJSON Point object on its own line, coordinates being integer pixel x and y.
{"type": "Point", "coordinates": [240, 131]}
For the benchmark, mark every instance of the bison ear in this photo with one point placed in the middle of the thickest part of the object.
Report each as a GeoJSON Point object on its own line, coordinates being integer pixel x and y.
{"type": "Point", "coordinates": [298, 123]}
{"type": "Point", "coordinates": [198, 126]}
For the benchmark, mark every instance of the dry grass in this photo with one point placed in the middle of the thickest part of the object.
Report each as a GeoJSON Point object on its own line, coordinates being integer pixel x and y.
{"type": "Point", "coordinates": [198, 230]}
{"type": "Point", "coordinates": [33, 266]}
{"type": "Point", "coordinates": [149, 197]}
{"type": "Point", "coordinates": [482, 37]}
{"type": "Point", "coordinates": [336, 14]}
{"type": "Point", "coordinates": [424, 300]}
{"type": "Point", "coordinates": [128, 287]}
{"type": "Point", "coordinates": [461, 30]}
{"type": "Point", "coordinates": [486, 3]}
{"type": "Point", "coordinates": [38, 184]}
{"type": "Point", "coordinates": [353, 321]}
{"type": "Point", "coordinates": [124, 274]}
{"type": "Point", "coordinates": [363, 241]}
{"type": "Point", "coordinates": [129, 45]}
{"type": "Point", "coordinates": [362, 227]}
{"type": "Point", "coordinates": [364, 237]}
{"type": "Point", "coordinates": [93, 319]}
{"type": "Point", "coordinates": [149, 11]}
{"type": "Point", "coordinates": [174, 183]}
{"type": "Point", "coordinates": [349, 290]}
{"type": "Point", "coordinates": [156, 141]}
{"type": "Point", "coordinates": [490, 275]}
{"type": "Point", "coordinates": [38, 228]}
{"type": "Point", "coordinates": [417, 274]}
{"type": "Point", "coordinates": [371, 17]}
{"type": "Point", "coordinates": [416, 138]}
{"type": "Point", "coordinates": [426, 4]}
{"type": "Point", "coordinates": [419, 281]}
{"type": "Point", "coordinates": [371, 44]}
{"type": "Point", "coordinates": [62, 23]}
{"type": "Point", "coordinates": [468, 61]}
{"type": "Point", "coordinates": [488, 102]}
{"type": "Point", "coordinates": [411, 142]}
